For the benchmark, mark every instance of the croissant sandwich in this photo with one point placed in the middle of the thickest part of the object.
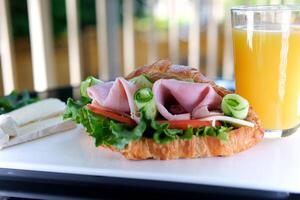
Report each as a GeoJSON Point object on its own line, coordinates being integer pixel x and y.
{"type": "Point", "coordinates": [165, 111]}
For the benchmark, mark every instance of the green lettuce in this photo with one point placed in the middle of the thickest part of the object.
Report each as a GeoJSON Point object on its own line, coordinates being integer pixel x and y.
{"type": "Point", "coordinates": [111, 133]}
{"type": "Point", "coordinates": [221, 132]}
{"type": "Point", "coordinates": [142, 81]}
{"type": "Point", "coordinates": [144, 100]}
{"type": "Point", "coordinates": [235, 106]}
{"type": "Point", "coordinates": [164, 135]}
{"type": "Point", "coordinates": [105, 131]}
{"type": "Point", "coordinates": [88, 82]}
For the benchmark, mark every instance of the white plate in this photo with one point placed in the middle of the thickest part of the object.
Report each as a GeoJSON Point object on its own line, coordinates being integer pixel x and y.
{"type": "Point", "coordinates": [273, 164]}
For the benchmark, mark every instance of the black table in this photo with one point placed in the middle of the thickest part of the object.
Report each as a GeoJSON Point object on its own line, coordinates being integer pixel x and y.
{"type": "Point", "coordinates": [45, 185]}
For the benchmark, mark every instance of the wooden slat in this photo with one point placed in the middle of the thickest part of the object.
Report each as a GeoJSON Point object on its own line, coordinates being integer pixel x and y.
{"type": "Point", "coordinates": [102, 39]}
{"type": "Point", "coordinates": [7, 50]}
{"type": "Point", "coordinates": [228, 66]}
{"type": "Point", "coordinates": [74, 42]}
{"type": "Point", "coordinates": [128, 36]}
{"type": "Point", "coordinates": [41, 40]}
{"type": "Point", "coordinates": [173, 31]}
{"type": "Point", "coordinates": [108, 38]}
{"type": "Point", "coordinates": [212, 39]}
{"type": "Point", "coordinates": [194, 36]}
{"type": "Point", "coordinates": [152, 42]}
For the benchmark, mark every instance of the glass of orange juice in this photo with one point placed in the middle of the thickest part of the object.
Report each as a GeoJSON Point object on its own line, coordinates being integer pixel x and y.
{"type": "Point", "coordinates": [266, 43]}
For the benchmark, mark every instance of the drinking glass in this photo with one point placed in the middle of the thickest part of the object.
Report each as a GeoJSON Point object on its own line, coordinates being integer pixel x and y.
{"type": "Point", "coordinates": [266, 43]}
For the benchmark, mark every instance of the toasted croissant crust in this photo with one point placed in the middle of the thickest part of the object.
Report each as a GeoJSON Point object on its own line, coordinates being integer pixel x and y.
{"type": "Point", "coordinates": [239, 139]}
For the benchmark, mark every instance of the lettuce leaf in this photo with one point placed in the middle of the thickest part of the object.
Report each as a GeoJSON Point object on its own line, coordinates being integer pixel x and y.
{"type": "Point", "coordinates": [234, 105]}
{"type": "Point", "coordinates": [74, 109]}
{"type": "Point", "coordinates": [125, 133]}
{"type": "Point", "coordinates": [144, 100]}
{"type": "Point", "coordinates": [187, 134]}
{"type": "Point", "coordinates": [111, 133]}
{"type": "Point", "coordinates": [164, 135]}
{"type": "Point", "coordinates": [142, 81]}
{"type": "Point", "coordinates": [88, 82]}
{"type": "Point", "coordinates": [105, 131]}
{"type": "Point", "coordinates": [221, 132]}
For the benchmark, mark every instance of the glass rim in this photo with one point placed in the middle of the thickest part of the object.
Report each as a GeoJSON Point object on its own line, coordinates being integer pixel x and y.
{"type": "Point", "coordinates": [267, 8]}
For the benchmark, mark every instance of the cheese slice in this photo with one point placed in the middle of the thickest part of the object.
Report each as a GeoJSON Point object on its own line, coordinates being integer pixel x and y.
{"type": "Point", "coordinates": [40, 110]}
{"type": "Point", "coordinates": [40, 129]}
{"type": "Point", "coordinates": [234, 121]}
{"type": "Point", "coordinates": [4, 138]}
{"type": "Point", "coordinates": [33, 121]}
{"type": "Point", "coordinates": [8, 125]}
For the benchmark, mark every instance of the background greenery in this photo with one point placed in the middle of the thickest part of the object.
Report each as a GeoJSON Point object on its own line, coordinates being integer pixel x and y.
{"type": "Point", "coordinates": [58, 10]}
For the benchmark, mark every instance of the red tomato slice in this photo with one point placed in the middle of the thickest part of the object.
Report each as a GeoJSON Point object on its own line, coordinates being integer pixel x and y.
{"type": "Point", "coordinates": [111, 115]}
{"type": "Point", "coordinates": [176, 124]}
{"type": "Point", "coordinates": [184, 124]}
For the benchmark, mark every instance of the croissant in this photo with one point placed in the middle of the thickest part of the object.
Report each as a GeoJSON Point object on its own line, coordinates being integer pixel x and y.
{"type": "Point", "coordinates": [239, 140]}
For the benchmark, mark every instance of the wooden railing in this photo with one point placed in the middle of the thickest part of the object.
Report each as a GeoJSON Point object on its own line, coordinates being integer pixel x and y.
{"type": "Point", "coordinates": [7, 50]}
{"type": "Point", "coordinates": [108, 43]}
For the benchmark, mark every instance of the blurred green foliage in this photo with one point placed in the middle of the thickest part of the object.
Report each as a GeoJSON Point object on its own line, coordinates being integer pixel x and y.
{"type": "Point", "coordinates": [19, 17]}
{"type": "Point", "coordinates": [87, 10]}
{"type": "Point", "coordinates": [87, 13]}
{"type": "Point", "coordinates": [20, 23]}
{"type": "Point", "coordinates": [58, 13]}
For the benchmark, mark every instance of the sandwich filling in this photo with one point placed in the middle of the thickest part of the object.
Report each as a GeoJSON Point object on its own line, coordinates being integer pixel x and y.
{"type": "Point", "coordinates": [118, 112]}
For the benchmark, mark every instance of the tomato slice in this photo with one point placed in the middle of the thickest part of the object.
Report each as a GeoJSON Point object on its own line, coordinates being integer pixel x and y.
{"type": "Point", "coordinates": [176, 124]}
{"type": "Point", "coordinates": [111, 115]}
{"type": "Point", "coordinates": [184, 124]}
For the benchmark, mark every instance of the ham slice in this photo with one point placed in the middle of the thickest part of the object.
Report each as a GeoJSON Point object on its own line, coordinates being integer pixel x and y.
{"type": "Point", "coordinates": [115, 95]}
{"type": "Point", "coordinates": [194, 100]}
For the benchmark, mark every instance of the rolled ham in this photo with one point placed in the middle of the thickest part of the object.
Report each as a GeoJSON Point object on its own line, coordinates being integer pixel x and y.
{"type": "Point", "coordinates": [194, 100]}
{"type": "Point", "coordinates": [175, 100]}
{"type": "Point", "coordinates": [115, 95]}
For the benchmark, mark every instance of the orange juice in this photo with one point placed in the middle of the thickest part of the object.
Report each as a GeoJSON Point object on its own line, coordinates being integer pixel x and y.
{"type": "Point", "coordinates": [267, 73]}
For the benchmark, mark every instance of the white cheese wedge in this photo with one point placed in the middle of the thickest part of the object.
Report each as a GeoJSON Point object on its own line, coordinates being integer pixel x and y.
{"type": "Point", "coordinates": [33, 121]}
{"type": "Point", "coordinates": [4, 138]}
{"type": "Point", "coordinates": [40, 129]}
{"type": "Point", "coordinates": [37, 111]}
{"type": "Point", "coordinates": [8, 125]}
{"type": "Point", "coordinates": [234, 121]}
